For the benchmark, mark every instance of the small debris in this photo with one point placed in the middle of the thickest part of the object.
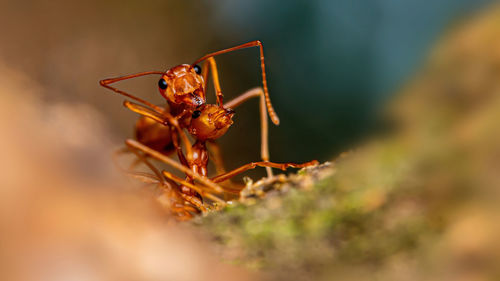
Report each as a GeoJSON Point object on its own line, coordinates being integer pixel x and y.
{"type": "Point", "coordinates": [280, 184]}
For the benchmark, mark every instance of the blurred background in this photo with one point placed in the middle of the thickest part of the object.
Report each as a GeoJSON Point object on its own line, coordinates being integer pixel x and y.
{"type": "Point", "coordinates": [333, 67]}
{"type": "Point", "coordinates": [331, 64]}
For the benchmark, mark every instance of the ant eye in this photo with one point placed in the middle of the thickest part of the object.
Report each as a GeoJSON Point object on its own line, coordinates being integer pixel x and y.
{"type": "Point", "coordinates": [197, 69]}
{"type": "Point", "coordinates": [196, 114]}
{"type": "Point", "coordinates": [162, 84]}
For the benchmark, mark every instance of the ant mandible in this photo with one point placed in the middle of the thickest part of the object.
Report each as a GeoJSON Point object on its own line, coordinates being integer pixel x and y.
{"type": "Point", "coordinates": [184, 87]}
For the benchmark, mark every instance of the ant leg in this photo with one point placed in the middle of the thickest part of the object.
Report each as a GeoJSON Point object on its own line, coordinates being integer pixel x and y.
{"type": "Point", "coordinates": [204, 73]}
{"type": "Point", "coordinates": [143, 159]}
{"type": "Point", "coordinates": [144, 177]}
{"type": "Point", "coordinates": [191, 199]}
{"type": "Point", "coordinates": [272, 113]}
{"type": "Point", "coordinates": [282, 166]}
{"type": "Point", "coordinates": [162, 119]}
{"type": "Point", "coordinates": [264, 135]}
{"type": "Point", "coordinates": [146, 112]}
{"type": "Point", "coordinates": [182, 205]}
{"type": "Point", "coordinates": [161, 179]}
{"type": "Point", "coordinates": [210, 62]}
{"type": "Point", "coordinates": [193, 187]}
{"type": "Point", "coordinates": [177, 147]}
{"type": "Point", "coordinates": [216, 156]}
{"type": "Point", "coordinates": [212, 187]}
{"type": "Point", "coordinates": [153, 111]}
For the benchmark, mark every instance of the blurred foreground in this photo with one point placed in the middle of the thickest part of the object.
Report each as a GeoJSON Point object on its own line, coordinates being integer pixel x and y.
{"type": "Point", "coordinates": [66, 215]}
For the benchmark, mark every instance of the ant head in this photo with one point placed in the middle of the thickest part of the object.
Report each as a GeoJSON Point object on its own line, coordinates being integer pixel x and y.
{"type": "Point", "coordinates": [183, 84]}
{"type": "Point", "coordinates": [210, 122]}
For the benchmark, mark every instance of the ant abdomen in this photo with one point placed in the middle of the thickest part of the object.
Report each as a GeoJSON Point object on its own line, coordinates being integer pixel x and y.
{"type": "Point", "coordinates": [154, 135]}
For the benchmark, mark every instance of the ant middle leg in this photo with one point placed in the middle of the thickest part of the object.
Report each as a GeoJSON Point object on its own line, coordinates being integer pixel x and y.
{"type": "Point", "coordinates": [264, 128]}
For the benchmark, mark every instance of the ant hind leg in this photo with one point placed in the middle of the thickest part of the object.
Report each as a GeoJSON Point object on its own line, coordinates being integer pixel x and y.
{"type": "Point", "coordinates": [207, 185]}
{"type": "Point", "coordinates": [230, 187]}
{"type": "Point", "coordinates": [253, 165]}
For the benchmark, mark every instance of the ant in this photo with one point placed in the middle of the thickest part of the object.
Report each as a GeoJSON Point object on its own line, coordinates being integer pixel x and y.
{"type": "Point", "coordinates": [159, 129]}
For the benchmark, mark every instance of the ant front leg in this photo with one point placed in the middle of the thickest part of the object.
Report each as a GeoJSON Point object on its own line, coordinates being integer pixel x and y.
{"type": "Point", "coordinates": [166, 119]}
{"type": "Point", "coordinates": [148, 109]}
{"type": "Point", "coordinates": [256, 43]}
{"type": "Point", "coordinates": [253, 165]}
{"type": "Point", "coordinates": [210, 65]}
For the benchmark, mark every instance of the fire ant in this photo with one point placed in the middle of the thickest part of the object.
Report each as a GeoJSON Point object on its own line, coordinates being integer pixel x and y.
{"type": "Point", "coordinates": [159, 129]}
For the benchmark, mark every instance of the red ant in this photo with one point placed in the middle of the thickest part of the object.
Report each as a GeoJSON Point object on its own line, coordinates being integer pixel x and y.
{"type": "Point", "coordinates": [159, 130]}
